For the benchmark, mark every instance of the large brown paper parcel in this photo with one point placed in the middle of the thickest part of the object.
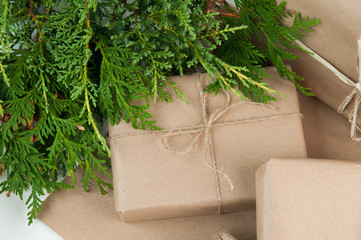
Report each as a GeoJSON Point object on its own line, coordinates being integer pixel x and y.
{"type": "Point", "coordinates": [309, 199]}
{"type": "Point", "coordinates": [171, 173]}
{"type": "Point", "coordinates": [335, 40]}
{"type": "Point", "coordinates": [95, 217]}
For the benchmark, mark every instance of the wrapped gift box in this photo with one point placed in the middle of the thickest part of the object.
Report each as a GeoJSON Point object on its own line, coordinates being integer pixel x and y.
{"type": "Point", "coordinates": [309, 199]}
{"type": "Point", "coordinates": [188, 168]}
{"type": "Point", "coordinates": [335, 40]}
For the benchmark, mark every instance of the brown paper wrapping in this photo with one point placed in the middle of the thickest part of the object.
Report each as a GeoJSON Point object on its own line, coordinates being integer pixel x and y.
{"type": "Point", "coordinates": [335, 39]}
{"type": "Point", "coordinates": [95, 216]}
{"type": "Point", "coordinates": [308, 199]}
{"type": "Point", "coordinates": [153, 183]}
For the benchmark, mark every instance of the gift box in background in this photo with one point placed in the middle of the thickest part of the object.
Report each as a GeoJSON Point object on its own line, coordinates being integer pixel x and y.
{"type": "Point", "coordinates": [335, 40]}
{"type": "Point", "coordinates": [308, 199]}
{"type": "Point", "coordinates": [204, 148]}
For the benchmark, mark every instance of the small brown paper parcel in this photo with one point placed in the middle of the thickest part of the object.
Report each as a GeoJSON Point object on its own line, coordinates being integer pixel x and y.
{"type": "Point", "coordinates": [309, 199]}
{"type": "Point", "coordinates": [205, 158]}
{"type": "Point", "coordinates": [336, 81]}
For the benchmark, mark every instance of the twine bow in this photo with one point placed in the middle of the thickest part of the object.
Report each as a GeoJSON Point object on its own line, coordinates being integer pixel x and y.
{"type": "Point", "coordinates": [355, 94]}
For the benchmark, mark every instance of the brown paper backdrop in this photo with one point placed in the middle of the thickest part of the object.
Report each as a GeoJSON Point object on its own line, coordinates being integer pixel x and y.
{"type": "Point", "coordinates": [76, 215]}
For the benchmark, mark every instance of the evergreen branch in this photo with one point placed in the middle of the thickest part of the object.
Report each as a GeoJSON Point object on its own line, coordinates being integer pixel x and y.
{"type": "Point", "coordinates": [6, 79]}
{"type": "Point", "coordinates": [114, 76]}
{"type": "Point", "coordinates": [223, 32]}
{"type": "Point", "coordinates": [154, 64]}
{"type": "Point", "coordinates": [45, 90]}
{"type": "Point", "coordinates": [31, 9]}
{"type": "Point", "coordinates": [1, 113]}
{"type": "Point", "coordinates": [263, 19]}
{"type": "Point", "coordinates": [3, 26]}
{"type": "Point", "coordinates": [91, 119]}
{"type": "Point", "coordinates": [244, 78]}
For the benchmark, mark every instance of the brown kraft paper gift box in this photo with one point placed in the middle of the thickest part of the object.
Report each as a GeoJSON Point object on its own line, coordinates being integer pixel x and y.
{"type": "Point", "coordinates": [309, 199]}
{"type": "Point", "coordinates": [171, 173]}
{"type": "Point", "coordinates": [335, 40]}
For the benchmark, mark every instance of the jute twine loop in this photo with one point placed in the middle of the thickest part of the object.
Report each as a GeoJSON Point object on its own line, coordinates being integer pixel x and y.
{"type": "Point", "coordinates": [355, 94]}
{"type": "Point", "coordinates": [204, 133]}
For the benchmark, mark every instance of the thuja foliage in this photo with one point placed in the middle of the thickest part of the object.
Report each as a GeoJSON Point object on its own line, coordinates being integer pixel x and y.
{"type": "Point", "coordinates": [264, 41]}
{"type": "Point", "coordinates": [66, 65]}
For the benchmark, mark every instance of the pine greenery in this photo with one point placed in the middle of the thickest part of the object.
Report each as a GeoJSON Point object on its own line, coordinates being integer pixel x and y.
{"type": "Point", "coordinates": [65, 65]}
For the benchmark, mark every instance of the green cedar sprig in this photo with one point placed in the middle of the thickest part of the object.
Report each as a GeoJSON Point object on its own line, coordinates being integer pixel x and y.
{"type": "Point", "coordinates": [264, 41]}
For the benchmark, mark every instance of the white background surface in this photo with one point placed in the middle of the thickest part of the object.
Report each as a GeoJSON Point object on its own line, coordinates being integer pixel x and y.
{"type": "Point", "coordinates": [14, 223]}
